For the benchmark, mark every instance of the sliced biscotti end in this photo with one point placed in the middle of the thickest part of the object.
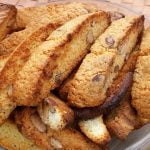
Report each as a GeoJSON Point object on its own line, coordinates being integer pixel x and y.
{"type": "Point", "coordinates": [33, 128]}
{"type": "Point", "coordinates": [7, 19]}
{"type": "Point", "coordinates": [12, 139]}
{"type": "Point", "coordinates": [52, 61]}
{"type": "Point", "coordinates": [141, 88]}
{"type": "Point", "coordinates": [55, 113]}
{"type": "Point", "coordinates": [95, 130]}
{"type": "Point", "coordinates": [95, 69]}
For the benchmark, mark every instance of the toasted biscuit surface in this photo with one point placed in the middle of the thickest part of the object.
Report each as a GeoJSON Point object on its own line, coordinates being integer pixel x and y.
{"type": "Point", "coordinates": [13, 64]}
{"type": "Point", "coordinates": [55, 113]}
{"type": "Point", "coordinates": [141, 85]}
{"type": "Point", "coordinates": [7, 19]}
{"type": "Point", "coordinates": [12, 139]}
{"type": "Point", "coordinates": [29, 18]}
{"type": "Point", "coordinates": [53, 11]}
{"type": "Point", "coordinates": [119, 39]}
{"type": "Point", "coordinates": [22, 44]}
{"type": "Point", "coordinates": [141, 88]}
{"type": "Point", "coordinates": [65, 139]}
{"type": "Point", "coordinates": [54, 60]}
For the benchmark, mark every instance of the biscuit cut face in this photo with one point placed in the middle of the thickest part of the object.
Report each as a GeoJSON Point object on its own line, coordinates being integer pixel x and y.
{"type": "Point", "coordinates": [28, 19]}
{"type": "Point", "coordinates": [7, 19]}
{"type": "Point", "coordinates": [13, 64]}
{"type": "Point", "coordinates": [12, 139]}
{"type": "Point", "coordinates": [95, 130]}
{"type": "Point", "coordinates": [55, 113]}
{"type": "Point", "coordinates": [32, 127]}
{"type": "Point", "coordinates": [141, 84]}
{"type": "Point", "coordinates": [52, 61]}
{"type": "Point", "coordinates": [22, 44]}
{"type": "Point", "coordinates": [91, 81]}
{"type": "Point", "coordinates": [141, 88]}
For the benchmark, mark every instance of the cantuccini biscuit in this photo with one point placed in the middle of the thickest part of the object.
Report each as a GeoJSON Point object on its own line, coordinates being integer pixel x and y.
{"type": "Point", "coordinates": [55, 113]}
{"type": "Point", "coordinates": [90, 83]}
{"type": "Point", "coordinates": [32, 127]}
{"type": "Point", "coordinates": [141, 80]}
{"type": "Point", "coordinates": [21, 46]}
{"type": "Point", "coordinates": [55, 58]}
{"type": "Point", "coordinates": [28, 19]}
{"type": "Point", "coordinates": [95, 130]}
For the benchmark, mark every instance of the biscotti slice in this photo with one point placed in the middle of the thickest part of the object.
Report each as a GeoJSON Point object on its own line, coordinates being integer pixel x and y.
{"type": "Point", "coordinates": [90, 83]}
{"type": "Point", "coordinates": [23, 43]}
{"type": "Point", "coordinates": [122, 120]}
{"type": "Point", "coordinates": [55, 113]}
{"type": "Point", "coordinates": [55, 58]}
{"type": "Point", "coordinates": [95, 130]}
{"type": "Point", "coordinates": [116, 92]}
{"type": "Point", "coordinates": [7, 19]}
{"type": "Point", "coordinates": [12, 139]}
{"type": "Point", "coordinates": [141, 85]}
{"type": "Point", "coordinates": [53, 11]}
{"type": "Point", "coordinates": [32, 127]}
{"type": "Point", "coordinates": [29, 18]}
{"type": "Point", "coordinates": [141, 89]}
{"type": "Point", "coordinates": [15, 62]}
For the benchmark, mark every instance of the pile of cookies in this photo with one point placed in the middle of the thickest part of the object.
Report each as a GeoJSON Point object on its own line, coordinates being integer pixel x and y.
{"type": "Point", "coordinates": [71, 76]}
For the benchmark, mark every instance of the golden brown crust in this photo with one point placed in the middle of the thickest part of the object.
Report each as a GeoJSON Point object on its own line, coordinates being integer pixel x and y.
{"type": "Point", "coordinates": [141, 88]}
{"type": "Point", "coordinates": [53, 11]}
{"type": "Point", "coordinates": [141, 85]}
{"type": "Point", "coordinates": [22, 44]}
{"type": "Point", "coordinates": [51, 67]}
{"type": "Point", "coordinates": [13, 65]}
{"type": "Point", "coordinates": [28, 18]}
{"type": "Point", "coordinates": [7, 19]}
{"type": "Point", "coordinates": [66, 139]}
{"type": "Point", "coordinates": [123, 119]}
{"type": "Point", "coordinates": [12, 139]}
{"type": "Point", "coordinates": [118, 40]}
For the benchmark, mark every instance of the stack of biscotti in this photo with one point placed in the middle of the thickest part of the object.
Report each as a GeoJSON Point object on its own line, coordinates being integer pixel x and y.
{"type": "Point", "coordinates": [23, 45]}
{"type": "Point", "coordinates": [70, 68]}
